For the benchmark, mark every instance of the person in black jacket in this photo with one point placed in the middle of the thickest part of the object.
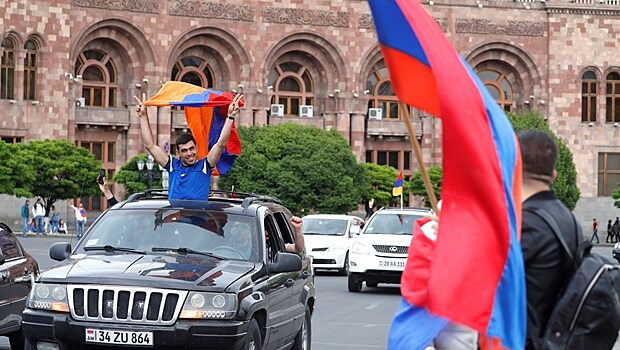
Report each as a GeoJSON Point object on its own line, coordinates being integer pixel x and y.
{"type": "Point", "coordinates": [106, 191]}
{"type": "Point", "coordinates": [546, 266]}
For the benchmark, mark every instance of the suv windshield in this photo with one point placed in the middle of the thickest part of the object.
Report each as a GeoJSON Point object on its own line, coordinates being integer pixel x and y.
{"type": "Point", "coordinates": [392, 223]}
{"type": "Point", "coordinates": [180, 231]}
{"type": "Point", "coordinates": [328, 227]}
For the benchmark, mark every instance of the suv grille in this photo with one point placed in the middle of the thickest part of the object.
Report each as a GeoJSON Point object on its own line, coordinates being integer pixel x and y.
{"type": "Point", "coordinates": [391, 249]}
{"type": "Point", "coordinates": [125, 304]}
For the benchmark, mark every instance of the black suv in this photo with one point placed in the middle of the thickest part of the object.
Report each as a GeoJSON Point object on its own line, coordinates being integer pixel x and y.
{"type": "Point", "coordinates": [167, 274]}
{"type": "Point", "coordinates": [17, 269]}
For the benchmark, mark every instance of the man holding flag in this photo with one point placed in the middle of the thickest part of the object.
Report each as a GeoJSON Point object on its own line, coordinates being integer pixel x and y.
{"type": "Point", "coordinates": [190, 177]}
{"type": "Point", "coordinates": [398, 188]}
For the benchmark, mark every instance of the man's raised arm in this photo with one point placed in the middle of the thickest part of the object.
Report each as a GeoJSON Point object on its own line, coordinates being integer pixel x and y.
{"type": "Point", "coordinates": [147, 136]}
{"type": "Point", "coordinates": [216, 151]}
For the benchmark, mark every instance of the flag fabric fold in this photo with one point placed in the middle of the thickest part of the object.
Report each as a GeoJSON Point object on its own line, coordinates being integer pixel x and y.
{"type": "Point", "coordinates": [398, 186]}
{"type": "Point", "coordinates": [205, 113]}
{"type": "Point", "coordinates": [476, 277]}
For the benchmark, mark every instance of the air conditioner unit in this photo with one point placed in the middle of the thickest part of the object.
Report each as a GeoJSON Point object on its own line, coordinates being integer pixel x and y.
{"type": "Point", "coordinates": [375, 113]}
{"type": "Point", "coordinates": [306, 111]}
{"type": "Point", "coordinates": [277, 110]}
{"type": "Point", "coordinates": [80, 102]}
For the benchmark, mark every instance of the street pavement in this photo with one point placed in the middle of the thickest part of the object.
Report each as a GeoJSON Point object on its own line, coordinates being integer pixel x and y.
{"type": "Point", "coordinates": [341, 321]}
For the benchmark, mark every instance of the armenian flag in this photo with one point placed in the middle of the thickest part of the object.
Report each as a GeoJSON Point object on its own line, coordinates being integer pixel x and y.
{"type": "Point", "coordinates": [398, 186]}
{"type": "Point", "coordinates": [476, 275]}
{"type": "Point", "coordinates": [205, 113]}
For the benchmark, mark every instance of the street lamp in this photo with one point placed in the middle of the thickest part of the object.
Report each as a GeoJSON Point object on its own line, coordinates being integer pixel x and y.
{"type": "Point", "coordinates": [149, 173]}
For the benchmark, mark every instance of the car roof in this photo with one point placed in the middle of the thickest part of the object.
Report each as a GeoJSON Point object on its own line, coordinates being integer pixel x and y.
{"type": "Point", "coordinates": [406, 210]}
{"type": "Point", "coordinates": [333, 216]}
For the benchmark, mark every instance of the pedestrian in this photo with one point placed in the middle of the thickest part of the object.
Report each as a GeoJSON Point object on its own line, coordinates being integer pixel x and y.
{"type": "Point", "coordinates": [62, 226]}
{"type": "Point", "coordinates": [38, 213]}
{"type": "Point", "coordinates": [80, 218]}
{"type": "Point", "coordinates": [189, 177]}
{"type": "Point", "coordinates": [369, 208]}
{"type": "Point", "coordinates": [610, 234]}
{"type": "Point", "coordinates": [33, 226]}
{"type": "Point", "coordinates": [103, 186]}
{"type": "Point", "coordinates": [615, 229]}
{"type": "Point", "coordinates": [54, 219]}
{"type": "Point", "coordinates": [547, 268]}
{"type": "Point", "coordinates": [25, 217]}
{"type": "Point", "coordinates": [594, 231]}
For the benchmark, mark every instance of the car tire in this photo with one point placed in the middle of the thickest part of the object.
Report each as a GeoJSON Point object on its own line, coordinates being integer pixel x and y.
{"type": "Point", "coordinates": [354, 283]}
{"type": "Point", "coordinates": [372, 284]}
{"type": "Point", "coordinates": [303, 340]}
{"type": "Point", "coordinates": [253, 339]}
{"type": "Point", "coordinates": [345, 268]}
{"type": "Point", "coordinates": [17, 340]}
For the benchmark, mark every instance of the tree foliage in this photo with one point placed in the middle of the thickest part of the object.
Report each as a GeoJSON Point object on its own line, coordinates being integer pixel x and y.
{"type": "Point", "coordinates": [61, 170]}
{"type": "Point", "coordinates": [131, 177]}
{"type": "Point", "coordinates": [417, 183]}
{"type": "Point", "coordinates": [16, 176]}
{"type": "Point", "coordinates": [565, 185]}
{"type": "Point", "coordinates": [381, 180]}
{"type": "Point", "coordinates": [309, 169]}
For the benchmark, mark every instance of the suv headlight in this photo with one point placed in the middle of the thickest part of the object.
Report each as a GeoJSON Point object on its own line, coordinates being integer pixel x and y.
{"type": "Point", "coordinates": [209, 306]}
{"type": "Point", "coordinates": [360, 248]}
{"type": "Point", "coordinates": [51, 297]}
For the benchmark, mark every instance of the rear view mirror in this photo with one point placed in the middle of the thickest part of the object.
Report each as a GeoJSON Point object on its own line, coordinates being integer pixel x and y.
{"type": "Point", "coordinates": [60, 251]}
{"type": "Point", "coordinates": [355, 230]}
{"type": "Point", "coordinates": [285, 262]}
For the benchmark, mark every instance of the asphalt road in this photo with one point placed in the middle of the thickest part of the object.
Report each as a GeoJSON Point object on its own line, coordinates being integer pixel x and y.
{"type": "Point", "coordinates": [342, 320]}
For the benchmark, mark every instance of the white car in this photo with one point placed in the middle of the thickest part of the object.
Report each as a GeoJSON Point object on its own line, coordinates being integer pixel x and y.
{"type": "Point", "coordinates": [328, 239]}
{"type": "Point", "coordinates": [379, 253]}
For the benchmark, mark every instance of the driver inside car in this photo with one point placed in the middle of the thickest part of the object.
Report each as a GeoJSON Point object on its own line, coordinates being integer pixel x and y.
{"type": "Point", "coordinates": [241, 236]}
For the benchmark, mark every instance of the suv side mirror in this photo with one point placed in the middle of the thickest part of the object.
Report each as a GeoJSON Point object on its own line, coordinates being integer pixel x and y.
{"type": "Point", "coordinates": [285, 262]}
{"type": "Point", "coordinates": [60, 251]}
{"type": "Point", "coordinates": [355, 230]}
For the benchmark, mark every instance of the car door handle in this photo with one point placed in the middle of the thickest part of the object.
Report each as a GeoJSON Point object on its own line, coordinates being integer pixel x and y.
{"type": "Point", "coordinates": [305, 274]}
{"type": "Point", "coordinates": [289, 282]}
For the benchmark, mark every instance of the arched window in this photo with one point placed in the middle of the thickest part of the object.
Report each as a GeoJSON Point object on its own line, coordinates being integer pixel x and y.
{"type": "Point", "coordinates": [589, 86]}
{"type": "Point", "coordinates": [193, 70]}
{"type": "Point", "coordinates": [293, 87]}
{"type": "Point", "coordinates": [499, 87]}
{"type": "Point", "coordinates": [99, 78]}
{"type": "Point", "coordinates": [379, 86]}
{"type": "Point", "coordinates": [612, 101]}
{"type": "Point", "coordinates": [7, 76]}
{"type": "Point", "coordinates": [30, 70]}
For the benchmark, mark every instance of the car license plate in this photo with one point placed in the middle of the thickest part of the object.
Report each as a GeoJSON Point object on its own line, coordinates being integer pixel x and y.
{"type": "Point", "coordinates": [391, 263]}
{"type": "Point", "coordinates": [119, 337]}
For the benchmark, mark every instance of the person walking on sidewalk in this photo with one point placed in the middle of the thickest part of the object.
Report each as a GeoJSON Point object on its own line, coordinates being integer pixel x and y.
{"type": "Point", "coordinates": [595, 231]}
{"type": "Point", "coordinates": [25, 218]}
{"type": "Point", "coordinates": [38, 213]}
{"type": "Point", "coordinates": [610, 233]}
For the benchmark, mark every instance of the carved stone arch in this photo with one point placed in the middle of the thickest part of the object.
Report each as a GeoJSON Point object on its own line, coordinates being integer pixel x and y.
{"type": "Point", "coordinates": [17, 38]}
{"type": "Point", "coordinates": [615, 69]}
{"type": "Point", "coordinates": [129, 43]}
{"type": "Point", "coordinates": [371, 58]}
{"type": "Point", "coordinates": [518, 66]}
{"type": "Point", "coordinates": [600, 76]}
{"type": "Point", "coordinates": [230, 61]}
{"type": "Point", "coordinates": [38, 38]}
{"type": "Point", "coordinates": [326, 59]}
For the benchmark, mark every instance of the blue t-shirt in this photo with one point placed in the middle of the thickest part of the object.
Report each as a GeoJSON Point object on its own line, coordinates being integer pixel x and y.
{"type": "Point", "coordinates": [189, 182]}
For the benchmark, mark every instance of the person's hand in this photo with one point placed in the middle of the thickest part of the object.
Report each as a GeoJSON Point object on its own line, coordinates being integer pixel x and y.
{"type": "Point", "coordinates": [140, 108]}
{"type": "Point", "coordinates": [102, 186]}
{"type": "Point", "coordinates": [233, 109]}
{"type": "Point", "coordinates": [296, 222]}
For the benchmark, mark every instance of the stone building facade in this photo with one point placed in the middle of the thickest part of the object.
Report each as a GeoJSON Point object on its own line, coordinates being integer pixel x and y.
{"type": "Point", "coordinates": [70, 69]}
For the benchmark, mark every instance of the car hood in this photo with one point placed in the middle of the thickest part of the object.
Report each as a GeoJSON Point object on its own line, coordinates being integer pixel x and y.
{"type": "Point", "coordinates": [385, 239]}
{"type": "Point", "coordinates": [325, 241]}
{"type": "Point", "coordinates": [151, 270]}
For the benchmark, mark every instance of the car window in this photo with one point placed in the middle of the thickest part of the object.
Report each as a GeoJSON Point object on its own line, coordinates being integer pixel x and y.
{"type": "Point", "coordinates": [391, 223]}
{"type": "Point", "coordinates": [231, 236]}
{"type": "Point", "coordinates": [326, 227]}
{"type": "Point", "coordinates": [273, 241]}
{"type": "Point", "coordinates": [8, 245]}
{"type": "Point", "coordinates": [284, 225]}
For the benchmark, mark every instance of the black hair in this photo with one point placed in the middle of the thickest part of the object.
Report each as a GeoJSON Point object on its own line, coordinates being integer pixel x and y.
{"type": "Point", "coordinates": [538, 152]}
{"type": "Point", "coordinates": [184, 138]}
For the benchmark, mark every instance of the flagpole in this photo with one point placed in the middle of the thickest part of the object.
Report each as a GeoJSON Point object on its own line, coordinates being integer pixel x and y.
{"type": "Point", "coordinates": [418, 154]}
{"type": "Point", "coordinates": [401, 201]}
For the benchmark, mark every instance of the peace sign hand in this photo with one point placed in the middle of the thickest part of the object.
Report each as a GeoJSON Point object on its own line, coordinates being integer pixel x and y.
{"type": "Point", "coordinates": [233, 110]}
{"type": "Point", "coordinates": [140, 108]}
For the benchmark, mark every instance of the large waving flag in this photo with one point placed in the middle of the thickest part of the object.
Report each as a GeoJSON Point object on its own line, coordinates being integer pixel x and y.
{"type": "Point", "coordinates": [476, 274]}
{"type": "Point", "coordinates": [205, 113]}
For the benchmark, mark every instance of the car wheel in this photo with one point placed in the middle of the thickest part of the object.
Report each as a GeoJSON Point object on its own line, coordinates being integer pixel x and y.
{"type": "Point", "coordinates": [17, 340]}
{"type": "Point", "coordinates": [304, 337]}
{"type": "Point", "coordinates": [345, 269]}
{"type": "Point", "coordinates": [355, 284]}
{"type": "Point", "coordinates": [372, 284]}
{"type": "Point", "coordinates": [253, 339]}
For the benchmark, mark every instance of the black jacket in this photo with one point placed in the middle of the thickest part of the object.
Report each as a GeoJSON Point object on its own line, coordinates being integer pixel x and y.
{"type": "Point", "coordinates": [547, 268]}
